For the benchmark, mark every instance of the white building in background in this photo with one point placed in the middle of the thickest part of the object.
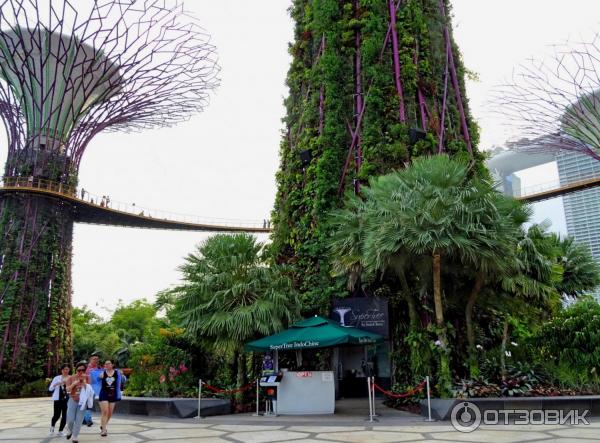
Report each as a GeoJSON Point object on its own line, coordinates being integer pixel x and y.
{"type": "Point", "coordinates": [581, 209]}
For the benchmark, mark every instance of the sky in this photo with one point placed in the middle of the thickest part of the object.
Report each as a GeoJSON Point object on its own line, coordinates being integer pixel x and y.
{"type": "Point", "coordinates": [222, 162]}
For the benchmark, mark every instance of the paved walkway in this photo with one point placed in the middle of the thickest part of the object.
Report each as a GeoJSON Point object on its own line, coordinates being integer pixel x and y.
{"type": "Point", "coordinates": [27, 420]}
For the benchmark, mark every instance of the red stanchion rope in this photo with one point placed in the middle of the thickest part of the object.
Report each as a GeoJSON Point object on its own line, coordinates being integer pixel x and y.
{"type": "Point", "coordinates": [413, 391]}
{"type": "Point", "coordinates": [227, 391]}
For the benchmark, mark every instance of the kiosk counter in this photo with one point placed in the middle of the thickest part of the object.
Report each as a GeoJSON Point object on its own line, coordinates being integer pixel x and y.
{"type": "Point", "coordinates": [306, 392]}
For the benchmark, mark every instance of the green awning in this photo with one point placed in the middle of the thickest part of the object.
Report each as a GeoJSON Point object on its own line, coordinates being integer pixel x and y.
{"type": "Point", "coordinates": [314, 332]}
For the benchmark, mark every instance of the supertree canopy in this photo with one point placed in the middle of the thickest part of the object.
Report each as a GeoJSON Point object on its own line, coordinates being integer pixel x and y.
{"type": "Point", "coordinates": [554, 102]}
{"type": "Point", "coordinates": [373, 84]}
{"type": "Point", "coordinates": [67, 72]}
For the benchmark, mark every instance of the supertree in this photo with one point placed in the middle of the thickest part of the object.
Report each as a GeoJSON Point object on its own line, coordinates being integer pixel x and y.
{"type": "Point", "coordinates": [373, 84]}
{"type": "Point", "coordinates": [554, 102]}
{"type": "Point", "coordinates": [67, 72]}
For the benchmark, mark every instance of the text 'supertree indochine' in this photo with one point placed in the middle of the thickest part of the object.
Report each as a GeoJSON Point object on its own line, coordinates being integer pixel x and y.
{"type": "Point", "coordinates": [554, 102]}
{"type": "Point", "coordinates": [372, 85]}
{"type": "Point", "coordinates": [69, 70]}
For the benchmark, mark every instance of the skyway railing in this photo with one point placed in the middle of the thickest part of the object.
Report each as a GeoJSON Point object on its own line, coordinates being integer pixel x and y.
{"type": "Point", "coordinates": [32, 184]}
{"type": "Point", "coordinates": [556, 188]}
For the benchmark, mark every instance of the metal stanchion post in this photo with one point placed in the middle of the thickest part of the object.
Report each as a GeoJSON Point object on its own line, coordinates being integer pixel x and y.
{"type": "Point", "coordinates": [373, 395]}
{"type": "Point", "coordinates": [199, 398]}
{"type": "Point", "coordinates": [428, 401]}
{"type": "Point", "coordinates": [370, 403]}
{"type": "Point", "coordinates": [257, 397]}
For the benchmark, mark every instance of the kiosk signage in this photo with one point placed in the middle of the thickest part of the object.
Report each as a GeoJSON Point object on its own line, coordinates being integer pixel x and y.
{"type": "Point", "coordinates": [366, 313]}
{"type": "Point", "coordinates": [305, 392]}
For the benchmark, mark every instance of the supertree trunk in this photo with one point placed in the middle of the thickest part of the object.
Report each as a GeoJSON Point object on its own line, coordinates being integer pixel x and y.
{"type": "Point", "coordinates": [390, 70]}
{"type": "Point", "coordinates": [65, 76]}
{"type": "Point", "coordinates": [35, 285]}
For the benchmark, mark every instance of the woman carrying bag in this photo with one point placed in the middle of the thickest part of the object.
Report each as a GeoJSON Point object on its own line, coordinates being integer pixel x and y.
{"type": "Point", "coordinates": [58, 387]}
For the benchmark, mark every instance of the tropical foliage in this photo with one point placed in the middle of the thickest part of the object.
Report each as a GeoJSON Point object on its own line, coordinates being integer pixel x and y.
{"type": "Point", "coordinates": [230, 296]}
{"type": "Point", "coordinates": [344, 56]}
{"type": "Point", "coordinates": [569, 345]}
{"type": "Point", "coordinates": [476, 291]}
{"type": "Point", "coordinates": [443, 240]}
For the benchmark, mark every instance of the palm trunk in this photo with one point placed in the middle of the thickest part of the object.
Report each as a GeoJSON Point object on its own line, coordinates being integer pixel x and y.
{"type": "Point", "coordinates": [413, 315]}
{"type": "Point", "coordinates": [503, 349]}
{"type": "Point", "coordinates": [241, 377]}
{"type": "Point", "coordinates": [444, 379]}
{"type": "Point", "coordinates": [437, 294]}
{"type": "Point", "coordinates": [473, 297]}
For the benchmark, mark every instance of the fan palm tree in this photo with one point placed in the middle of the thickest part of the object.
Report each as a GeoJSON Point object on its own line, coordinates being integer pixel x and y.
{"type": "Point", "coordinates": [505, 224]}
{"type": "Point", "coordinates": [231, 296]}
{"type": "Point", "coordinates": [346, 243]}
{"type": "Point", "coordinates": [436, 209]}
{"type": "Point", "coordinates": [581, 273]}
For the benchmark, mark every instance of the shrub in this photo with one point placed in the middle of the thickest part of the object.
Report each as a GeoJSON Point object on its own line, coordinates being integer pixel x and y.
{"type": "Point", "coordinates": [38, 388]}
{"type": "Point", "coordinates": [8, 390]}
{"type": "Point", "coordinates": [477, 388]}
{"type": "Point", "coordinates": [569, 346]}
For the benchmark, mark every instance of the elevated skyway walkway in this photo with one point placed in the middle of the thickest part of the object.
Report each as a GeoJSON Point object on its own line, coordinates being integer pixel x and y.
{"type": "Point", "coordinates": [546, 191]}
{"type": "Point", "coordinates": [93, 209]}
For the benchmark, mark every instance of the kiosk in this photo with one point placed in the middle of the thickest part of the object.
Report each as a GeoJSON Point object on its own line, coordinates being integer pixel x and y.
{"type": "Point", "coordinates": [307, 392]}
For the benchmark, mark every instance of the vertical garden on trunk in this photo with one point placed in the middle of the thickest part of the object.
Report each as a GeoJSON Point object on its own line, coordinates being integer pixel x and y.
{"type": "Point", "coordinates": [373, 84]}
{"type": "Point", "coordinates": [66, 75]}
{"type": "Point", "coordinates": [36, 235]}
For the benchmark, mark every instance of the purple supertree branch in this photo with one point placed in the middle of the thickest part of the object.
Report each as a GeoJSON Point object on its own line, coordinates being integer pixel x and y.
{"type": "Point", "coordinates": [554, 103]}
{"type": "Point", "coordinates": [154, 70]}
{"type": "Point", "coordinates": [420, 95]}
{"type": "Point", "coordinates": [444, 103]}
{"type": "Point", "coordinates": [396, 57]}
{"type": "Point", "coordinates": [354, 134]}
{"type": "Point", "coordinates": [358, 101]}
{"type": "Point", "coordinates": [322, 91]}
{"type": "Point", "coordinates": [454, 77]}
{"type": "Point", "coordinates": [353, 143]}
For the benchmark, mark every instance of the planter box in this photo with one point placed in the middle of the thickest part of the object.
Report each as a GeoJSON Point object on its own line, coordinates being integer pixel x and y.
{"type": "Point", "coordinates": [441, 408]}
{"type": "Point", "coordinates": [170, 407]}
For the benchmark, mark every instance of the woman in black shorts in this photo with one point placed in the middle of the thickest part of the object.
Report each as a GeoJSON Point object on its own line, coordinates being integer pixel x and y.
{"type": "Point", "coordinates": [110, 393]}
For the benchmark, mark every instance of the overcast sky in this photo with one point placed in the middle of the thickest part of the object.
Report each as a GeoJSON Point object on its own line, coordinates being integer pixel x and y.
{"type": "Point", "coordinates": [222, 162]}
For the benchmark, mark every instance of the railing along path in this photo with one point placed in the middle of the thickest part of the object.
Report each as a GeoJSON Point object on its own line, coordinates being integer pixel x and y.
{"type": "Point", "coordinates": [553, 189]}
{"type": "Point", "coordinates": [95, 209]}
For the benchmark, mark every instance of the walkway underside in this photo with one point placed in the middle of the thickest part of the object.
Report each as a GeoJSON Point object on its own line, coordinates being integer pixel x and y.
{"type": "Point", "coordinates": [95, 211]}
{"type": "Point", "coordinates": [562, 190]}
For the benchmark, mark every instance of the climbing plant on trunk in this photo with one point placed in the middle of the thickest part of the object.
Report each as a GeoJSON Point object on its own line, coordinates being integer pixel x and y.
{"type": "Point", "coordinates": [373, 84]}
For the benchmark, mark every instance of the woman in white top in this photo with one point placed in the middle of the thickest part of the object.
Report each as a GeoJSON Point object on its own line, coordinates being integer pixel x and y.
{"type": "Point", "coordinates": [58, 387]}
{"type": "Point", "coordinates": [81, 398]}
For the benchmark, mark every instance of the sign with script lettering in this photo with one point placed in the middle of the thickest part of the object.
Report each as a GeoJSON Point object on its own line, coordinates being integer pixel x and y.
{"type": "Point", "coordinates": [367, 313]}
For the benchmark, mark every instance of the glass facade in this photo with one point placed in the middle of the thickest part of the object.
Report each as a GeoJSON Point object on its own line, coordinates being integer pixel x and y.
{"type": "Point", "coordinates": [582, 209]}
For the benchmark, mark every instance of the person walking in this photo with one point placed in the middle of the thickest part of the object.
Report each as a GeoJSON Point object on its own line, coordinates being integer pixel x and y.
{"type": "Point", "coordinates": [93, 371]}
{"type": "Point", "coordinates": [58, 387]}
{"type": "Point", "coordinates": [81, 397]}
{"type": "Point", "coordinates": [110, 393]}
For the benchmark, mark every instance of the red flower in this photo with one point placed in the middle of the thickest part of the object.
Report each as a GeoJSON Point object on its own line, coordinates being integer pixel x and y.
{"type": "Point", "coordinates": [183, 368]}
{"type": "Point", "coordinates": [162, 378]}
